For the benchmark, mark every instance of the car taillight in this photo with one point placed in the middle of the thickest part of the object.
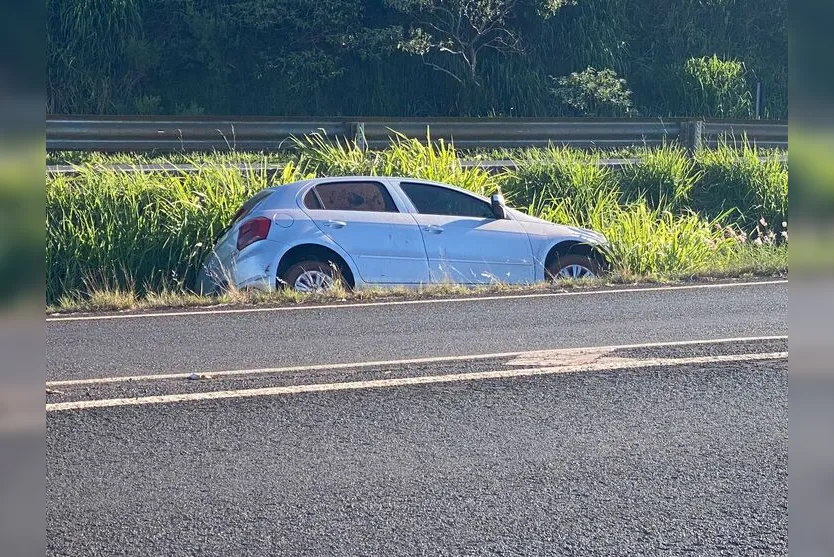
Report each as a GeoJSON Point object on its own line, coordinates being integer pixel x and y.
{"type": "Point", "coordinates": [252, 230]}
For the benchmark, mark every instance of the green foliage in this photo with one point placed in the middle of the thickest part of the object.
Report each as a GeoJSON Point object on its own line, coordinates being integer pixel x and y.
{"type": "Point", "coordinates": [648, 242]}
{"type": "Point", "coordinates": [656, 242]}
{"type": "Point", "coordinates": [191, 109]}
{"type": "Point", "coordinates": [340, 57]}
{"type": "Point", "coordinates": [88, 44]}
{"type": "Point", "coordinates": [715, 88]}
{"type": "Point", "coordinates": [594, 93]}
{"type": "Point", "coordinates": [654, 234]}
{"type": "Point", "coordinates": [116, 230]}
{"type": "Point", "coordinates": [664, 177]}
{"type": "Point", "coordinates": [147, 104]}
{"type": "Point", "coordinates": [431, 160]}
{"type": "Point", "coordinates": [557, 173]}
{"type": "Point", "coordinates": [436, 161]}
{"type": "Point", "coordinates": [111, 231]}
{"type": "Point", "coordinates": [736, 178]}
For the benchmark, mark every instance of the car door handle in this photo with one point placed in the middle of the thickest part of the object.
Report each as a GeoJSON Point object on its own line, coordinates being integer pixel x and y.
{"type": "Point", "coordinates": [433, 228]}
{"type": "Point", "coordinates": [335, 223]}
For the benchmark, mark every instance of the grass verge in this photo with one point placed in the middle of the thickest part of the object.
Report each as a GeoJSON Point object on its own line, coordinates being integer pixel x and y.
{"type": "Point", "coordinates": [748, 262]}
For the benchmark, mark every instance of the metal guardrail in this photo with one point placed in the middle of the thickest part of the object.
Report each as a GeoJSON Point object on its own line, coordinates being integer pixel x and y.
{"type": "Point", "coordinates": [142, 134]}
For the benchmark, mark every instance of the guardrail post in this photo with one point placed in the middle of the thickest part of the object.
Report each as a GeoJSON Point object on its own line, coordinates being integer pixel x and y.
{"type": "Point", "coordinates": [359, 137]}
{"type": "Point", "coordinates": [692, 134]}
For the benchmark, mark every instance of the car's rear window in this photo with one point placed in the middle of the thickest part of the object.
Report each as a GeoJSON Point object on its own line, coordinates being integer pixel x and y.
{"type": "Point", "coordinates": [250, 204]}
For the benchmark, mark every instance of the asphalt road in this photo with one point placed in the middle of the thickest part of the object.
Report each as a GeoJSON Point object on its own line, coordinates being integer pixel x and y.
{"type": "Point", "coordinates": [686, 460]}
{"type": "Point", "coordinates": [222, 341]}
{"type": "Point", "coordinates": [673, 449]}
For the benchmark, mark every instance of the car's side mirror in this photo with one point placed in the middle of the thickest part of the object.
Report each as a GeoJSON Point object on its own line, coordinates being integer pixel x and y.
{"type": "Point", "coordinates": [498, 206]}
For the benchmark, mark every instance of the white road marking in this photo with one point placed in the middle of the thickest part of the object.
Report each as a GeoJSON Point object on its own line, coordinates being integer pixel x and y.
{"type": "Point", "coordinates": [473, 298]}
{"type": "Point", "coordinates": [527, 356]}
{"type": "Point", "coordinates": [618, 363]}
{"type": "Point", "coordinates": [555, 358]}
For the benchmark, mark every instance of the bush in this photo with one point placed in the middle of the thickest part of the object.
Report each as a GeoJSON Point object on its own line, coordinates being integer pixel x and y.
{"type": "Point", "coordinates": [148, 104]}
{"type": "Point", "coordinates": [655, 242]}
{"type": "Point", "coordinates": [594, 93]}
{"type": "Point", "coordinates": [714, 88]}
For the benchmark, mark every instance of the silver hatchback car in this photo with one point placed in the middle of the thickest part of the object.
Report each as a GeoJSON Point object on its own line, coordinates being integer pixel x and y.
{"type": "Point", "coordinates": [386, 231]}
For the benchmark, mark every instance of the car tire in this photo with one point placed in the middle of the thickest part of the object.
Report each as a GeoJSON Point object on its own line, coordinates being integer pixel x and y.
{"type": "Point", "coordinates": [311, 276]}
{"type": "Point", "coordinates": [573, 267]}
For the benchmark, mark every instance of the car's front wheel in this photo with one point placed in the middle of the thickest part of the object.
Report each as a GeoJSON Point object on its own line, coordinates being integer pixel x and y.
{"type": "Point", "coordinates": [311, 276]}
{"type": "Point", "coordinates": [573, 267]}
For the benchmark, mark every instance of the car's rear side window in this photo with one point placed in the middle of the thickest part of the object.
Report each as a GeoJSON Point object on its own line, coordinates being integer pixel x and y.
{"type": "Point", "coordinates": [311, 200]}
{"type": "Point", "coordinates": [437, 200]}
{"type": "Point", "coordinates": [351, 196]}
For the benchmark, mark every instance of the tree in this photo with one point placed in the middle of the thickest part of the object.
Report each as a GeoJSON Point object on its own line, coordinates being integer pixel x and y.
{"type": "Point", "coordinates": [453, 36]}
{"type": "Point", "coordinates": [308, 40]}
{"type": "Point", "coordinates": [461, 31]}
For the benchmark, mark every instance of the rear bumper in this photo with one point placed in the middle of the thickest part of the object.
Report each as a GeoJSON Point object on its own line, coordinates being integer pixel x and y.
{"type": "Point", "coordinates": [251, 268]}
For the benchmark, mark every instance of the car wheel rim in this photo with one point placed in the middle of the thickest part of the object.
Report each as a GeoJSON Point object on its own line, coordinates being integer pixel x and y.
{"type": "Point", "coordinates": [313, 281]}
{"type": "Point", "coordinates": [575, 272]}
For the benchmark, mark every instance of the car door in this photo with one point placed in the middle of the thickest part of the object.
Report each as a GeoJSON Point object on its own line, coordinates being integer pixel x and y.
{"type": "Point", "coordinates": [464, 241]}
{"type": "Point", "coordinates": [364, 220]}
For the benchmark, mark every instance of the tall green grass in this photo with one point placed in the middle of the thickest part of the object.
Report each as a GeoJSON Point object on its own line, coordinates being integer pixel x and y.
{"type": "Point", "coordinates": [655, 242]}
{"type": "Point", "coordinates": [430, 160]}
{"type": "Point", "coordinates": [559, 173]}
{"type": "Point", "coordinates": [111, 231]}
{"type": "Point", "coordinates": [668, 215]}
{"type": "Point", "coordinates": [736, 179]}
{"type": "Point", "coordinates": [664, 177]}
{"type": "Point", "coordinates": [715, 88]}
{"type": "Point", "coordinates": [644, 240]}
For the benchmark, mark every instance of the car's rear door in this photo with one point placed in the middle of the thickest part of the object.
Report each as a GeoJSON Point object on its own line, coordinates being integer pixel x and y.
{"type": "Point", "coordinates": [464, 241]}
{"type": "Point", "coordinates": [365, 221]}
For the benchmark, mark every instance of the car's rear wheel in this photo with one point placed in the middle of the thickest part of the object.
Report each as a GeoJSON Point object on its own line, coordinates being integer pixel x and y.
{"type": "Point", "coordinates": [572, 267]}
{"type": "Point", "coordinates": [311, 276]}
